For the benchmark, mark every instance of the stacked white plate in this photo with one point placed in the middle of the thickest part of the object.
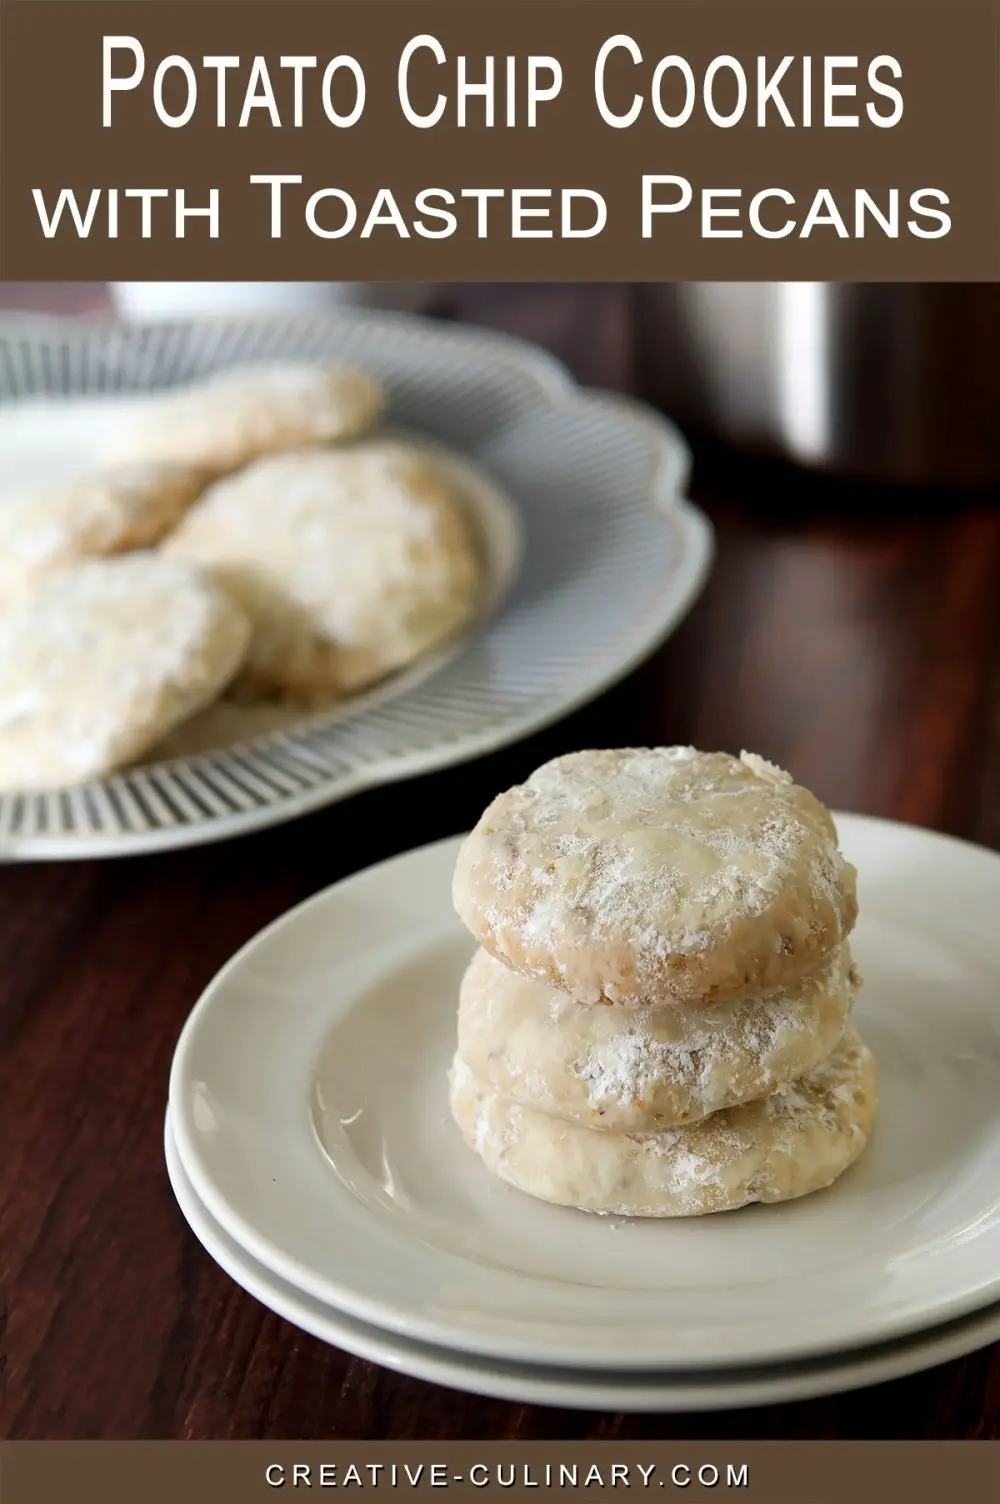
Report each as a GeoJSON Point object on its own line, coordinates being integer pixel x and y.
{"type": "Point", "coordinates": [310, 1148]}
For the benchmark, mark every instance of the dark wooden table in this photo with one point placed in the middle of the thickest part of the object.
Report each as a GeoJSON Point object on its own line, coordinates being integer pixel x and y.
{"type": "Point", "coordinates": [844, 635]}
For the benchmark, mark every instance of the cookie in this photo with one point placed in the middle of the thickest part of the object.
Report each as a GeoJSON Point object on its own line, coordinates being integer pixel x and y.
{"type": "Point", "coordinates": [787, 1145]}
{"type": "Point", "coordinates": [646, 876]}
{"type": "Point", "coordinates": [105, 512]}
{"type": "Point", "coordinates": [643, 1070]}
{"type": "Point", "coordinates": [350, 563]}
{"type": "Point", "coordinates": [103, 660]}
{"type": "Point", "coordinates": [228, 419]}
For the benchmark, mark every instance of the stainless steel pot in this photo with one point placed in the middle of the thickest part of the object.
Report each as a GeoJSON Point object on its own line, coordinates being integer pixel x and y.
{"type": "Point", "coordinates": [880, 381]}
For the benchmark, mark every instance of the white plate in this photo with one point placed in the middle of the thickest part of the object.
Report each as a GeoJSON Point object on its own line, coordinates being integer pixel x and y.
{"type": "Point", "coordinates": [614, 557]}
{"type": "Point", "coordinates": [309, 1105]}
{"type": "Point", "coordinates": [575, 1388]}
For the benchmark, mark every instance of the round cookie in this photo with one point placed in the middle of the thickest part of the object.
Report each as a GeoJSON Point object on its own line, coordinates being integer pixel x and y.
{"type": "Point", "coordinates": [657, 875]}
{"type": "Point", "coordinates": [238, 414]}
{"type": "Point", "coordinates": [787, 1145]}
{"type": "Point", "coordinates": [106, 512]}
{"type": "Point", "coordinates": [643, 1070]}
{"type": "Point", "coordinates": [350, 564]}
{"type": "Point", "coordinates": [104, 660]}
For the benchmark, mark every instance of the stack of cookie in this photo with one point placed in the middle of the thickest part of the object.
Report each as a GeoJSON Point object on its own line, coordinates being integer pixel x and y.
{"type": "Point", "coordinates": [657, 1023]}
{"type": "Point", "coordinates": [244, 536]}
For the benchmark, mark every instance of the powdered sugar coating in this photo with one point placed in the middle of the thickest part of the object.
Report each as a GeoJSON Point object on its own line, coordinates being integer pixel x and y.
{"type": "Point", "coordinates": [95, 515]}
{"type": "Point", "coordinates": [643, 1070]}
{"type": "Point", "coordinates": [787, 1145]}
{"type": "Point", "coordinates": [657, 875]}
{"type": "Point", "coordinates": [234, 416]}
{"type": "Point", "coordinates": [104, 660]}
{"type": "Point", "coordinates": [350, 563]}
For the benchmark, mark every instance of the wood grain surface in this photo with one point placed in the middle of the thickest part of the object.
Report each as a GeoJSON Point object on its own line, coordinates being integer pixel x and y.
{"type": "Point", "coordinates": [852, 637]}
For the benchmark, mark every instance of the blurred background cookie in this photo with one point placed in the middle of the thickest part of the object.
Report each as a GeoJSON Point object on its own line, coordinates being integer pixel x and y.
{"type": "Point", "coordinates": [238, 414]}
{"type": "Point", "coordinates": [349, 563]}
{"type": "Point", "coordinates": [127, 506]}
{"type": "Point", "coordinates": [104, 660]}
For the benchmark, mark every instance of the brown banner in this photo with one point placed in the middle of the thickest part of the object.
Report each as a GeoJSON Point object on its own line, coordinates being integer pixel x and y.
{"type": "Point", "coordinates": [552, 140]}
{"type": "Point", "coordinates": [274, 1472]}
